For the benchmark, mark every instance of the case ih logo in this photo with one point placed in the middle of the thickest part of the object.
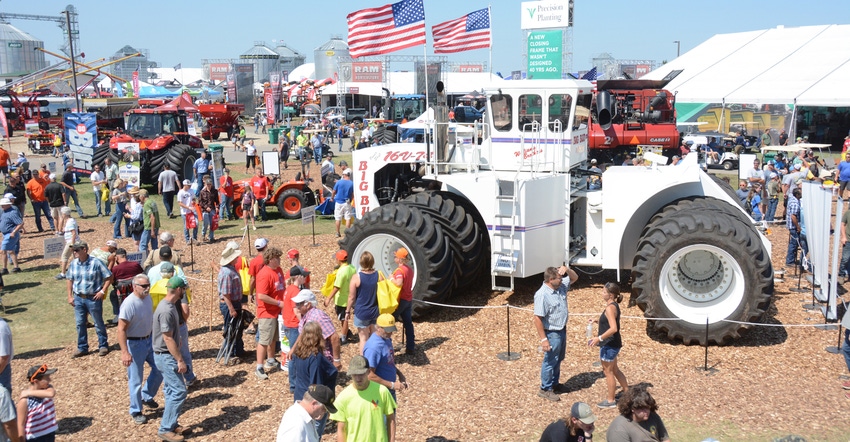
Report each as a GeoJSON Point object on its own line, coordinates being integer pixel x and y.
{"type": "Point", "coordinates": [659, 140]}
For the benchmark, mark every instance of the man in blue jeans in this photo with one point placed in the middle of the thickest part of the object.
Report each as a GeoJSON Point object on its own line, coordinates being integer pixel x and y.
{"type": "Point", "coordinates": [150, 215]}
{"type": "Point", "coordinates": [201, 167]}
{"type": "Point", "coordinates": [135, 321]}
{"type": "Point", "coordinates": [792, 222]}
{"type": "Point", "coordinates": [169, 360]}
{"type": "Point", "coordinates": [550, 321]}
{"type": "Point", "coordinates": [88, 283]}
{"type": "Point", "coordinates": [230, 299]}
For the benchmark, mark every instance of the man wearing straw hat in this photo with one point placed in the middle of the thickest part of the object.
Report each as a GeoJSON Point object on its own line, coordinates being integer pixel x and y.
{"type": "Point", "coordinates": [230, 295]}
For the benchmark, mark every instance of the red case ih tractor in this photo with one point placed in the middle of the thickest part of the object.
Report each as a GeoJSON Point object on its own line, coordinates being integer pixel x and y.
{"type": "Point", "coordinates": [158, 134]}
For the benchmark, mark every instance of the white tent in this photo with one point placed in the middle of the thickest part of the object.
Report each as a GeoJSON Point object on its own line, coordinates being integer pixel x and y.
{"type": "Point", "coordinates": [808, 65]}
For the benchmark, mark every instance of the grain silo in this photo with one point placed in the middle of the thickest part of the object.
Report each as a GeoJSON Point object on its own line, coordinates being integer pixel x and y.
{"type": "Point", "coordinates": [289, 58]}
{"type": "Point", "coordinates": [327, 56]}
{"type": "Point", "coordinates": [264, 60]}
{"type": "Point", "coordinates": [18, 56]}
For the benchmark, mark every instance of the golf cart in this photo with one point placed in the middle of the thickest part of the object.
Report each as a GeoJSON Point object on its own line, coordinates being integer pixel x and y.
{"type": "Point", "coordinates": [726, 159]}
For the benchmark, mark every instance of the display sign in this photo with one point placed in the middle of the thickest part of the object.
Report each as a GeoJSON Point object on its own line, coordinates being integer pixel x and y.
{"type": "Point", "coordinates": [470, 68]}
{"type": "Point", "coordinates": [130, 174]}
{"type": "Point", "coordinates": [53, 247]}
{"type": "Point", "coordinates": [271, 162]}
{"type": "Point", "coordinates": [218, 71]}
{"type": "Point", "coordinates": [81, 137]}
{"type": "Point", "coordinates": [367, 71]}
{"type": "Point", "coordinates": [546, 14]}
{"type": "Point", "coordinates": [354, 90]}
{"type": "Point", "coordinates": [307, 214]}
{"type": "Point", "coordinates": [544, 54]}
{"type": "Point", "coordinates": [136, 257]}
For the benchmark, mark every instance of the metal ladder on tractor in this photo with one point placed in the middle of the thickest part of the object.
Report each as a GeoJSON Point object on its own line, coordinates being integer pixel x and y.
{"type": "Point", "coordinates": [504, 229]}
{"type": "Point", "coordinates": [504, 259]}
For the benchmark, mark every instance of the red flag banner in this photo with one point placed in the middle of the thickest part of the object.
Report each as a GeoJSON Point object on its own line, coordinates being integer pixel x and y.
{"type": "Point", "coordinates": [4, 124]}
{"type": "Point", "coordinates": [135, 83]}
{"type": "Point", "coordinates": [386, 29]}
{"type": "Point", "coordinates": [472, 31]}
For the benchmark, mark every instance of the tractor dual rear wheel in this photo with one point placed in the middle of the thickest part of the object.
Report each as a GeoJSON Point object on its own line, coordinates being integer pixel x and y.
{"type": "Point", "coordinates": [384, 230]}
{"type": "Point", "coordinates": [700, 264]}
{"type": "Point", "coordinates": [181, 159]}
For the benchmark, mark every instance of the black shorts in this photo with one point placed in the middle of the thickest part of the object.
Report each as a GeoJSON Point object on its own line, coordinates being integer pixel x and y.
{"type": "Point", "coordinates": [844, 186]}
{"type": "Point", "coordinates": [340, 312]}
{"type": "Point", "coordinates": [251, 161]}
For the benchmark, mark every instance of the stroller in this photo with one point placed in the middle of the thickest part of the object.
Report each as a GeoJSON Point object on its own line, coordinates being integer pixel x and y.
{"type": "Point", "coordinates": [231, 332]}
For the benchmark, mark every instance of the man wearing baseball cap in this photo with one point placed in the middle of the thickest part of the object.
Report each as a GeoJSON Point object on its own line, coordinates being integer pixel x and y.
{"type": "Point", "coordinates": [339, 293]}
{"type": "Point", "coordinates": [185, 199]}
{"type": "Point", "coordinates": [403, 277]}
{"type": "Point", "coordinates": [11, 225]}
{"type": "Point", "coordinates": [169, 360]}
{"type": "Point", "coordinates": [365, 409]}
{"type": "Point", "coordinates": [379, 352]}
{"type": "Point", "coordinates": [576, 427]}
{"type": "Point", "coordinates": [298, 423]}
{"type": "Point", "coordinates": [88, 283]}
{"type": "Point", "coordinates": [342, 196]}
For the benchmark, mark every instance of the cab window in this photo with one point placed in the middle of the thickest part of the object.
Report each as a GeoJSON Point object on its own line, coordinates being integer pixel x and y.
{"type": "Point", "coordinates": [530, 111]}
{"type": "Point", "coordinates": [582, 113]}
{"type": "Point", "coordinates": [559, 110]}
{"type": "Point", "coordinates": [502, 106]}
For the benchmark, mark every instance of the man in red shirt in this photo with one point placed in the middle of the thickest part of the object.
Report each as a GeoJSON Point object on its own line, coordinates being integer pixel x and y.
{"type": "Point", "coordinates": [270, 290]}
{"type": "Point", "coordinates": [225, 190]}
{"type": "Point", "coordinates": [261, 187]}
{"type": "Point", "coordinates": [254, 267]}
{"type": "Point", "coordinates": [403, 277]}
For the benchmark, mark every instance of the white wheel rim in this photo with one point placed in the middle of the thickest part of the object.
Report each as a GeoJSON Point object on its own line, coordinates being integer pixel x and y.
{"type": "Point", "coordinates": [382, 246]}
{"type": "Point", "coordinates": [701, 281]}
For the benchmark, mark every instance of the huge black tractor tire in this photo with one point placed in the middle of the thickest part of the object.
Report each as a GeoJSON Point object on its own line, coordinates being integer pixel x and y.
{"type": "Point", "coordinates": [698, 262]}
{"type": "Point", "coordinates": [390, 135]}
{"type": "Point", "coordinates": [156, 161]}
{"type": "Point", "coordinates": [464, 233]}
{"type": "Point", "coordinates": [101, 153]}
{"type": "Point", "coordinates": [290, 202]}
{"type": "Point", "coordinates": [181, 159]}
{"type": "Point", "coordinates": [384, 230]}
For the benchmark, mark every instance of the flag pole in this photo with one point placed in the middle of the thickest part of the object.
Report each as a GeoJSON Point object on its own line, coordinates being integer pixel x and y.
{"type": "Point", "coordinates": [425, 54]}
{"type": "Point", "coordinates": [490, 19]}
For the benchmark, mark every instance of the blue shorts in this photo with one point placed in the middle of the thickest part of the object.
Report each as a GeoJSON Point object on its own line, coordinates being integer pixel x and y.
{"type": "Point", "coordinates": [360, 323]}
{"type": "Point", "coordinates": [10, 242]}
{"type": "Point", "coordinates": [608, 354]}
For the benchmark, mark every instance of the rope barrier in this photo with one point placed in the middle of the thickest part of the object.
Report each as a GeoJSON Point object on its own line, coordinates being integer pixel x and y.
{"type": "Point", "coordinates": [482, 307]}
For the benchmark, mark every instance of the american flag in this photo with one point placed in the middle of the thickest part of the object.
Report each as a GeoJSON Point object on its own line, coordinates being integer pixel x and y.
{"type": "Point", "coordinates": [386, 29]}
{"type": "Point", "coordinates": [472, 31]}
{"type": "Point", "coordinates": [591, 75]}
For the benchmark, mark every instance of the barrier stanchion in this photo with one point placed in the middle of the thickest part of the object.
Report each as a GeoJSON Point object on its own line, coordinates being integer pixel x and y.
{"type": "Point", "coordinates": [705, 368]}
{"type": "Point", "coordinates": [837, 348]}
{"type": "Point", "coordinates": [508, 356]}
{"type": "Point", "coordinates": [212, 301]}
{"type": "Point", "coordinates": [192, 252]}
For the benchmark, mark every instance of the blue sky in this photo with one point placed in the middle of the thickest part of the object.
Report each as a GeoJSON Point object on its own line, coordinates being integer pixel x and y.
{"type": "Point", "coordinates": [186, 31]}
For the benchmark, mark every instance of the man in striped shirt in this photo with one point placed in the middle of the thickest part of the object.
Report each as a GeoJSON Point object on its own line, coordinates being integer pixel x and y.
{"type": "Point", "coordinates": [550, 321]}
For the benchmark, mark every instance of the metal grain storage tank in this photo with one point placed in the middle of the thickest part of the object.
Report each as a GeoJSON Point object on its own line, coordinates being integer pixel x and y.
{"type": "Point", "coordinates": [289, 58]}
{"type": "Point", "coordinates": [18, 56]}
{"type": "Point", "coordinates": [327, 56]}
{"type": "Point", "coordinates": [264, 60]}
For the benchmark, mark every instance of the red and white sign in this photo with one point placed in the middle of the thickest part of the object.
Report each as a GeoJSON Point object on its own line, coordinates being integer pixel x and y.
{"type": "Point", "coordinates": [367, 71]}
{"type": "Point", "coordinates": [641, 70]}
{"type": "Point", "coordinates": [269, 106]}
{"type": "Point", "coordinates": [470, 68]}
{"type": "Point", "coordinates": [354, 90]}
{"type": "Point", "coordinates": [218, 71]}
{"type": "Point", "coordinates": [135, 83]}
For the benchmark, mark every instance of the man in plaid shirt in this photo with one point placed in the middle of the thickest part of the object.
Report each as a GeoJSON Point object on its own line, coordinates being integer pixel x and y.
{"type": "Point", "coordinates": [230, 296]}
{"type": "Point", "coordinates": [792, 221]}
{"type": "Point", "coordinates": [88, 281]}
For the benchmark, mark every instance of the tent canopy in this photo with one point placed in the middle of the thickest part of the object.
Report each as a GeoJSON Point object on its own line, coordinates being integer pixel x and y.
{"type": "Point", "coordinates": [806, 65]}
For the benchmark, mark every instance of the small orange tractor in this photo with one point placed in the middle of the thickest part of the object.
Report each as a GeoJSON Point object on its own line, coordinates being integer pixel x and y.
{"type": "Point", "coordinates": [289, 197]}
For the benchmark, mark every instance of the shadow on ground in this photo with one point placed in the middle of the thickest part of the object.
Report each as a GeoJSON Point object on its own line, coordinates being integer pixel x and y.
{"type": "Point", "coordinates": [71, 425]}
{"type": "Point", "coordinates": [229, 418]}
